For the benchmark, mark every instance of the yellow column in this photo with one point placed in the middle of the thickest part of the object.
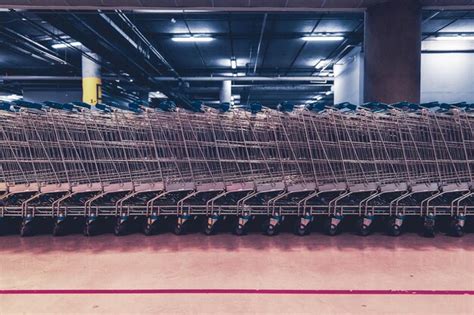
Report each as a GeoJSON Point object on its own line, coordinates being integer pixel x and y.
{"type": "Point", "coordinates": [91, 81]}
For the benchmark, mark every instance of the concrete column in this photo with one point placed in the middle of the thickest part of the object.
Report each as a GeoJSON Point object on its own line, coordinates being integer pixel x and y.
{"type": "Point", "coordinates": [392, 49]}
{"type": "Point", "coordinates": [226, 91]}
{"type": "Point", "coordinates": [91, 80]}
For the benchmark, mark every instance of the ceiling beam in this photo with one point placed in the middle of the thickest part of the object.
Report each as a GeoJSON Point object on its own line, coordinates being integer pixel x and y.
{"type": "Point", "coordinates": [226, 5]}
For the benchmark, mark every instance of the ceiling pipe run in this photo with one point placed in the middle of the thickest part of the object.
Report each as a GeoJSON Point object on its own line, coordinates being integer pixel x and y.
{"type": "Point", "coordinates": [314, 79]}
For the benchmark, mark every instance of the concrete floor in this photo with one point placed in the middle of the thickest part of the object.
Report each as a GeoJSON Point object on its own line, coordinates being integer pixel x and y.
{"type": "Point", "coordinates": [229, 262]}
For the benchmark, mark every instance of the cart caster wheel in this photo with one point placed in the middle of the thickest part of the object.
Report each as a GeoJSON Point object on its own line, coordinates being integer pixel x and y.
{"type": "Point", "coordinates": [429, 226]}
{"type": "Point", "coordinates": [429, 232]}
{"type": "Point", "coordinates": [331, 229]}
{"type": "Point", "coordinates": [456, 227]}
{"type": "Point", "coordinates": [394, 230]}
{"type": "Point", "coordinates": [362, 229]}
{"type": "Point", "coordinates": [59, 229]}
{"type": "Point", "coordinates": [240, 230]}
{"type": "Point", "coordinates": [181, 229]}
{"type": "Point", "coordinates": [90, 229]}
{"type": "Point", "coordinates": [2, 226]}
{"type": "Point", "coordinates": [209, 229]}
{"type": "Point", "coordinates": [148, 229]}
{"type": "Point", "coordinates": [27, 229]}
{"type": "Point", "coordinates": [270, 230]}
{"type": "Point", "coordinates": [120, 227]}
{"type": "Point", "coordinates": [457, 231]}
{"type": "Point", "coordinates": [301, 230]}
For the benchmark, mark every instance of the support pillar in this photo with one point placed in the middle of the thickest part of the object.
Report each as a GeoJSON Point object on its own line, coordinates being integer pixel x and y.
{"type": "Point", "coordinates": [392, 50]}
{"type": "Point", "coordinates": [226, 92]}
{"type": "Point", "coordinates": [91, 80]}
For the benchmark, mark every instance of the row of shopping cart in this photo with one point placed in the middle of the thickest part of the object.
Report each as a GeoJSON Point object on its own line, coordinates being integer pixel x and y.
{"type": "Point", "coordinates": [376, 160]}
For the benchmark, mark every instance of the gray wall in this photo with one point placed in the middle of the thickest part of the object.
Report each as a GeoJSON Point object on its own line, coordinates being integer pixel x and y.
{"type": "Point", "coordinates": [349, 78]}
{"type": "Point", "coordinates": [445, 77]}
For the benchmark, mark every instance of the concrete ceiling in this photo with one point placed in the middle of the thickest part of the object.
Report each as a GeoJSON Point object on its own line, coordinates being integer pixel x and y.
{"type": "Point", "coordinates": [227, 5]}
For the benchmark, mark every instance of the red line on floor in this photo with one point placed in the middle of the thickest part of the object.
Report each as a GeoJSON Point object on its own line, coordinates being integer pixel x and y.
{"type": "Point", "coordinates": [239, 291]}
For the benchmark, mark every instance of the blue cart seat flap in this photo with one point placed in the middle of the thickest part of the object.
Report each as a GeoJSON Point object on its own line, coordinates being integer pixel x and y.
{"type": "Point", "coordinates": [285, 106]}
{"type": "Point", "coordinates": [5, 106]}
{"type": "Point", "coordinates": [26, 104]}
{"type": "Point", "coordinates": [81, 104]}
{"type": "Point", "coordinates": [167, 106]}
{"type": "Point", "coordinates": [255, 107]}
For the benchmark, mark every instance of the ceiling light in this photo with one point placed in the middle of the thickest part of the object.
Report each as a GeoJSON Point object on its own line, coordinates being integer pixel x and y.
{"type": "Point", "coordinates": [322, 38]}
{"type": "Point", "coordinates": [233, 63]}
{"type": "Point", "coordinates": [10, 98]}
{"type": "Point", "coordinates": [322, 63]}
{"type": "Point", "coordinates": [328, 93]}
{"type": "Point", "coordinates": [457, 37]}
{"type": "Point", "coordinates": [318, 97]}
{"type": "Point", "coordinates": [64, 45]}
{"type": "Point", "coordinates": [192, 39]}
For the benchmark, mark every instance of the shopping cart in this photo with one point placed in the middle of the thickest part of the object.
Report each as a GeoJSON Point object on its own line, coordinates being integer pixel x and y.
{"type": "Point", "coordinates": [62, 162]}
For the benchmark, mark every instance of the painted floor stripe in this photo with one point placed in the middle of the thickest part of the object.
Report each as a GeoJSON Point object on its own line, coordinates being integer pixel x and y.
{"type": "Point", "coordinates": [237, 291]}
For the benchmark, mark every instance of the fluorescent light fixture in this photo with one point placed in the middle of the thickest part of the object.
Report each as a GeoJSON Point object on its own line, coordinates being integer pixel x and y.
{"type": "Point", "coordinates": [322, 63]}
{"type": "Point", "coordinates": [324, 74]}
{"type": "Point", "coordinates": [233, 63]}
{"type": "Point", "coordinates": [169, 11]}
{"type": "Point", "coordinates": [328, 93]}
{"type": "Point", "coordinates": [323, 38]}
{"type": "Point", "coordinates": [10, 98]}
{"type": "Point", "coordinates": [318, 97]}
{"type": "Point", "coordinates": [457, 37]}
{"type": "Point", "coordinates": [156, 94]}
{"type": "Point", "coordinates": [64, 45]}
{"type": "Point", "coordinates": [238, 74]}
{"type": "Point", "coordinates": [192, 39]}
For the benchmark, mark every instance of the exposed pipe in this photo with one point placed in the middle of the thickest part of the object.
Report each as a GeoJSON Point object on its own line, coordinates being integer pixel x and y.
{"type": "Point", "coordinates": [315, 79]}
{"type": "Point", "coordinates": [262, 30]}
{"type": "Point", "coordinates": [152, 48]}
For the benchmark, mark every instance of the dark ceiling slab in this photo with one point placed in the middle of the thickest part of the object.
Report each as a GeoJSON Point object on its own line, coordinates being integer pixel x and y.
{"type": "Point", "coordinates": [228, 5]}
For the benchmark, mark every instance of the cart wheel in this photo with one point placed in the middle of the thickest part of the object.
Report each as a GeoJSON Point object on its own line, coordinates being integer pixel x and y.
{"type": "Point", "coordinates": [148, 229]}
{"type": "Point", "coordinates": [270, 230]}
{"type": "Point", "coordinates": [329, 228]}
{"type": "Point", "coordinates": [457, 231]}
{"type": "Point", "coordinates": [429, 232]}
{"type": "Point", "coordinates": [332, 230]}
{"type": "Point", "coordinates": [59, 229]}
{"type": "Point", "coordinates": [209, 229]}
{"type": "Point", "coordinates": [179, 229]}
{"type": "Point", "coordinates": [394, 230]}
{"type": "Point", "coordinates": [2, 226]}
{"type": "Point", "coordinates": [27, 229]}
{"type": "Point", "coordinates": [362, 229]}
{"type": "Point", "coordinates": [301, 229]}
{"type": "Point", "coordinates": [240, 230]}
{"type": "Point", "coordinates": [120, 228]}
{"type": "Point", "coordinates": [90, 229]}
{"type": "Point", "coordinates": [429, 227]}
